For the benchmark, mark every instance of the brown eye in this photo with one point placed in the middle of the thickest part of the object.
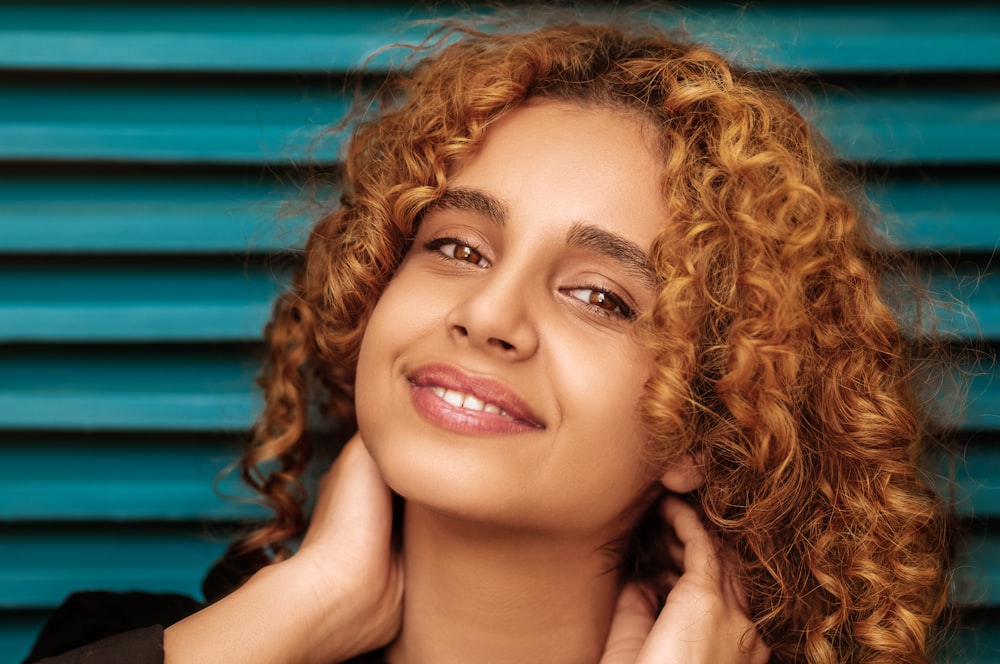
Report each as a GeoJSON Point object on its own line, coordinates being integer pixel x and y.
{"type": "Point", "coordinates": [602, 301]}
{"type": "Point", "coordinates": [467, 254]}
{"type": "Point", "coordinates": [457, 250]}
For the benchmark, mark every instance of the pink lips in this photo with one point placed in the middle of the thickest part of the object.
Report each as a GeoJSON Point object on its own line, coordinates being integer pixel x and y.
{"type": "Point", "coordinates": [429, 381]}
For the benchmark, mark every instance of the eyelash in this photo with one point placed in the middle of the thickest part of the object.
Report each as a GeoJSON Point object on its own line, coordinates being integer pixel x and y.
{"type": "Point", "coordinates": [622, 310]}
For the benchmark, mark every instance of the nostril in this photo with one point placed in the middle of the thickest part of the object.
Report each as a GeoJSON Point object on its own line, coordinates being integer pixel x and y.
{"type": "Point", "coordinates": [503, 344]}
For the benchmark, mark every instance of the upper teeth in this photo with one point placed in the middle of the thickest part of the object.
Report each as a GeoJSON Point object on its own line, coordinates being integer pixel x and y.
{"type": "Point", "coordinates": [462, 400]}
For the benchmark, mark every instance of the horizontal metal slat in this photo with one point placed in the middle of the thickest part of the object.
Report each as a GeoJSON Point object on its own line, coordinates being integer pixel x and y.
{"type": "Point", "coordinates": [166, 121]}
{"type": "Point", "coordinates": [178, 388]}
{"type": "Point", "coordinates": [970, 302]}
{"type": "Point", "coordinates": [143, 478]}
{"type": "Point", "coordinates": [40, 567]}
{"type": "Point", "coordinates": [270, 37]}
{"type": "Point", "coordinates": [124, 388]}
{"type": "Point", "coordinates": [930, 124]}
{"type": "Point", "coordinates": [948, 212]}
{"type": "Point", "coordinates": [123, 477]}
{"type": "Point", "coordinates": [982, 403]}
{"type": "Point", "coordinates": [114, 212]}
{"type": "Point", "coordinates": [231, 300]}
{"type": "Point", "coordinates": [273, 122]}
{"type": "Point", "coordinates": [974, 640]}
{"type": "Point", "coordinates": [977, 576]}
{"type": "Point", "coordinates": [131, 301]}
{"type": "Point", "coordinates": [303, 37]}
{"type": "Point", "coordinates": [215, 212]}
{"type": "Point", "coordinates": [847, 37]}
{"type": "Point", "coordinates": [976, 482]}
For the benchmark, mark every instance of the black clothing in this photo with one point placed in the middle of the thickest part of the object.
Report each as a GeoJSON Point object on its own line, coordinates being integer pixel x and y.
{"type": "Point", "coordinates": [139, 646]}
{"type": "Point", "coordinates": [127, 628]}
{"type": "Point", "coordinates": [85, 618]}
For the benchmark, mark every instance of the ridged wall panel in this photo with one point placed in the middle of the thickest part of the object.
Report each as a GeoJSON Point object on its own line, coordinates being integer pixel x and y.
{"type": "Point", "coordinates": [147, 151]}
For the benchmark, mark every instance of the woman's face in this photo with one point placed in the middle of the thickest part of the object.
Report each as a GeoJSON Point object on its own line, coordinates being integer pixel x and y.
{"type": "Point", "coordinates": [499, 378]}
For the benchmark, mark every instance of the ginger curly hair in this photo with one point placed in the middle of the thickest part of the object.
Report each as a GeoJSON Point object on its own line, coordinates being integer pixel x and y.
{"type": "Point", "coordinates": [782, 367]}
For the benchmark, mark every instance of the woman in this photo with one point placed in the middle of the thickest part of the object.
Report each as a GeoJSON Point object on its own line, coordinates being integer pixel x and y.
{"type": "Point", "coordinates": [597, 306]}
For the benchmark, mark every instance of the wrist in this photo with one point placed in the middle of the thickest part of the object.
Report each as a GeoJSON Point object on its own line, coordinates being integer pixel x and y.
{"type": "Point", "coordinates": [341, 615]}
{"type": "Point", "coordinates": [276, 617]}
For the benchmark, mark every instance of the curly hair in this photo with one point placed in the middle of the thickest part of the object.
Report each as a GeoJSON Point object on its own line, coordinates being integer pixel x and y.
{"type": "Point", "coordinates": [781, 365]}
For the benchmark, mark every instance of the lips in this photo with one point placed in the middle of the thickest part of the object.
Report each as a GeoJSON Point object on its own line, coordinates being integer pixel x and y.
{"type": "Point", "coordinates": [456, 400]}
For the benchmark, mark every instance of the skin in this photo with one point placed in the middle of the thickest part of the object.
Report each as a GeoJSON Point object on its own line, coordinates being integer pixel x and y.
{"type": "Point", "coordinates": [342, 594]}
{"type": "Point", "coordinates": [516, 311]}
{"type": "Point", "coordinates": [508, 515]}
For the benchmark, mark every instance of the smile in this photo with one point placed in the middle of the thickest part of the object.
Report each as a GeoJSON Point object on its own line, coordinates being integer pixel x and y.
{"type": "Point", "coordinates": [453, 399]}
{"type": "Point", "coordinates": [467, 401]}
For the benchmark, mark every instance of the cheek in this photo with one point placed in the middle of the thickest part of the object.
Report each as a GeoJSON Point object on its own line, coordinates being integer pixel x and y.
{"type": "Point", "coordinates": [602, 386]}
{"type": "Point", "coordinates": [400, 320]}
{"type": "Point", "coordinates": [374, 358]}
{"type": "Point", "coordinates": [394, 315]}
{"type": "Point", "coordinates": [613, 372]}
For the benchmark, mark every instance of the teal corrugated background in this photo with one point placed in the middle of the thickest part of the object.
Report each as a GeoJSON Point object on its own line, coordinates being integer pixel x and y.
{"type": "Point", "coordinates": [144, 152]}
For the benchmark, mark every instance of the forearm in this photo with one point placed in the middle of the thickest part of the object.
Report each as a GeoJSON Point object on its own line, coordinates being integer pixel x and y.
{"type": "Point", "coordinates": [275, 617]}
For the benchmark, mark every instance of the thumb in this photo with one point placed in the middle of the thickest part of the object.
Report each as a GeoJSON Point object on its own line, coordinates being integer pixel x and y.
{"type": "Point", "coordinates": [630, 625]}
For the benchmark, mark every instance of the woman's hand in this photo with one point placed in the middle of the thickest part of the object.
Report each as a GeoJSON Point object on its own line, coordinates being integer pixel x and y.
{"type": "Point", "coordinates": [703, 620]}
{"type": "Point", "coordinates": [347, 553]}
{"type": "Point", "coordinates": [339, 596]}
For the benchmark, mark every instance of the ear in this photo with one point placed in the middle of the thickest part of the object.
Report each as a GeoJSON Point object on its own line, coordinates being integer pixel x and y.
{"type": "Point", "coordinates": [683, 476]}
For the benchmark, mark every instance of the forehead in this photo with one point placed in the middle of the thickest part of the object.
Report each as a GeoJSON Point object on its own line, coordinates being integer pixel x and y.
{"type": "Point", "coordinates": [552, 161]}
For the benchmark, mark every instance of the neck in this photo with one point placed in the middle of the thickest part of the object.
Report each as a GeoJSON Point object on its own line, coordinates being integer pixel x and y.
{"type": "Point", "coordinates": [477, 593]}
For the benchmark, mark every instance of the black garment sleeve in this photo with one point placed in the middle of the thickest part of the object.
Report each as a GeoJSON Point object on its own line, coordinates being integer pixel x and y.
{"type": "Point", "coordinates": [139, 646]}
{"type": "Point", "coordinates": [127, 628]}
{"type": "Point", "coordinates": [93, 617]}
{"type": "Point", "coordinates": [120, 628]}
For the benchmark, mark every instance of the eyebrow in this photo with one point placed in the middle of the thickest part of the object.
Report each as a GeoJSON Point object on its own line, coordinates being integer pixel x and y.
{"type": "Point", "coordinates": [617, 248]}
{"type": "Point", "coordinates": [581, 235]}
{"type": "Point", "coordinates": [473, 200]}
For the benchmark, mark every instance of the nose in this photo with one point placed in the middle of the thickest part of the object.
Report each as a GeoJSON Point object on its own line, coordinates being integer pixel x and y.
{"type": "Point", "coordinates": [494, 314]}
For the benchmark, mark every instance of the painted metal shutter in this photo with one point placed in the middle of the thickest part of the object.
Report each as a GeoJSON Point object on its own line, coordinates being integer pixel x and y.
{"type": "Point", "coordinates": [144, 151]}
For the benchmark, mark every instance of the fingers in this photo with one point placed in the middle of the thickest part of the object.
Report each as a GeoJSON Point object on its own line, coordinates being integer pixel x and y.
{"type": "Point", "coordinates": [696, 552]}
{"type": "Point", "coordinates": [705, 617]}
{"type": "Point", "coordinates": [630, 625]}
{"type": "Point", "coordinates": [352, 499]}
{"type": "Point", "coordinates": [694, 549]}
{"type": "Point", "coordinates": [353, 459]}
